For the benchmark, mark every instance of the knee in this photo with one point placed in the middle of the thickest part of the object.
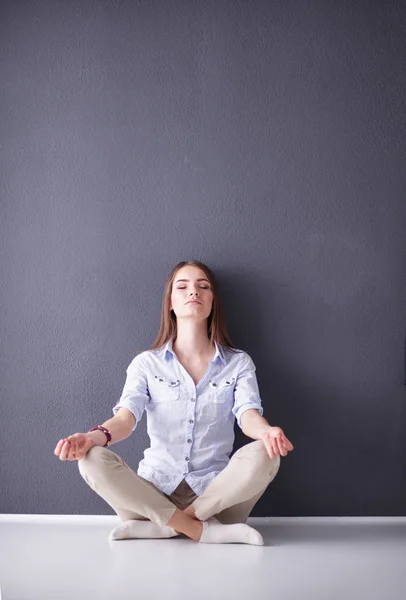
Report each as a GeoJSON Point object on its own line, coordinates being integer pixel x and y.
{"type": "Point", "coordinates": [263, 461]}
{"type": "Point", "coordinates": [275, 464]}
{"type": "Point", "coordinates": [92, 459]}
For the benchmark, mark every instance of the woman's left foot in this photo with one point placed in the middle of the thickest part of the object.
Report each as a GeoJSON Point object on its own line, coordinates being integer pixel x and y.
{"type": "Point", "coordinates": [216, 533]}
{"type": "Point", "coordinates": [141, 529]}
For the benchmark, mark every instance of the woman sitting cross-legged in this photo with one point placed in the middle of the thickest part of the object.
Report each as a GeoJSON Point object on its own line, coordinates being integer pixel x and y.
{"type": "Point", "coordinates": [192, 383]}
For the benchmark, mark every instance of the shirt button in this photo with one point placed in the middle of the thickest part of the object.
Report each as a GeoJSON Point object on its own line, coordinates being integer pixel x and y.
{"type": "Point", "coordinates": [187, 458]}
{"type": "Point", "coordinates": [191, 421]}
{"type": "Point", "coordinates": [184, 474]}
{"type": "Point", "coordinates": [189, 441]}
{"type": "Point", "coordinates": [193, 399]}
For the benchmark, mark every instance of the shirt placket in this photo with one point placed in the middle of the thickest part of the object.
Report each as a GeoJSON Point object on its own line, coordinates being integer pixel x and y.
{"type": "Point", "coordinates": [192, 392]}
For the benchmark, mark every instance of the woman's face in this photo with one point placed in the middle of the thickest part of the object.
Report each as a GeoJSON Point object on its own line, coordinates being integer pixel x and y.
{"type": "Point", "coordinates": [191, 283]}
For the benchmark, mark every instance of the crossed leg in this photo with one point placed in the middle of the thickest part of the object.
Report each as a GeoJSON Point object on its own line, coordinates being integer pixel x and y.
{"type": "Point", "coordinates": [245, 478]}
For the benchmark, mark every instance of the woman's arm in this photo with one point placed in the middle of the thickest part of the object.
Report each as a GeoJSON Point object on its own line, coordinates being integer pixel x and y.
{"type": "Point", "coordinates": [258, 428]}
{"type": "Point", "coordinates": [120, 427]}
{"type": "Point", "coordinates": [253, 425]}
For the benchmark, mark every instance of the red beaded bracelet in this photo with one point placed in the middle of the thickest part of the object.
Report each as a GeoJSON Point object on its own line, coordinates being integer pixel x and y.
{"type": "Point", "coordinates": [104, 430]}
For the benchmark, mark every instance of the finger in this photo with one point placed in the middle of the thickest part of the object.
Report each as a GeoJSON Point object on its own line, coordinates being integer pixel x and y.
{"type": "Point", "coordinates": [58, 447]}
{"type": "Point", "coordinates": [282, 450]}
{"type": "Point", "coordinates": [268, 447]}
{"type": "Point", "coordinates": [71, 455]}
{"type": "Point", "coordinates": [72, 451]}
{"type": "Point", "coordinates": [282, 445]}
{"type": "Point", "coordinates": [287, 443]}
{"type": "Point", "coordinates": [64, 451]}
{"type": "Point", "coordinates": [74, 446]}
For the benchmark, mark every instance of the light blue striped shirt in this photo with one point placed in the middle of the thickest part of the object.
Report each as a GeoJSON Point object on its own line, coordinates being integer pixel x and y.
{"type": "Point", "coordinates": [191, 427]}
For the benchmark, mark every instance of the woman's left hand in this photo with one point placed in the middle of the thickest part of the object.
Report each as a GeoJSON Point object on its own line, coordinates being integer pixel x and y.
{"type": "Point", "coordinates": [276, 442]}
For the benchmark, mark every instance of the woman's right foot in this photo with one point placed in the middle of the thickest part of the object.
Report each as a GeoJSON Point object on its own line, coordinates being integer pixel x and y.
{"type": "Point", "coordinates": [141, 529]}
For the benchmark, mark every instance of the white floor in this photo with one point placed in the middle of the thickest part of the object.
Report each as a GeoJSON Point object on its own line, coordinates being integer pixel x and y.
{"type": "Point", "coordinates": [59, 557]}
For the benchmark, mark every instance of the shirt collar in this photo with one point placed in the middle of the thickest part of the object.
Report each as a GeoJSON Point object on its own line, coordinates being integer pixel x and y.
{"type": "Point", "coordinates": [219, 354]}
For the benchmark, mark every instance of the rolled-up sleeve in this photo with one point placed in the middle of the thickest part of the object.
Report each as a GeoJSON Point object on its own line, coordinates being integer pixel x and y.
{"type": "Point", "coordinates": [135, 393]}
{"type": "Point", "coordinates": [246, 392]}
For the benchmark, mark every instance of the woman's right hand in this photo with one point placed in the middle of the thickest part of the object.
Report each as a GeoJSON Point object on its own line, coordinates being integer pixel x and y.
{"type": "Point", "coordinates": [74, 447]}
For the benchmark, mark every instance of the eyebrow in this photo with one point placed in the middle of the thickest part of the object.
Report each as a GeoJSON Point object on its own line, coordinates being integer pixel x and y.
{"type": "Point", "coordinates": [201, 279]}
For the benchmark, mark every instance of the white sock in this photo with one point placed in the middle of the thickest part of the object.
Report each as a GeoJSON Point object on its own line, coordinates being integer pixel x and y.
{"type": "Point", "coordinates": [141, 529]}
{"type": "Point", "coordinates": [213, 520]}
{"type": "Point", "coordinates": [216, 533]}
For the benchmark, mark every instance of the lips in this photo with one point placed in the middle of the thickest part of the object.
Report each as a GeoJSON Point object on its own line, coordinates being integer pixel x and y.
{"type": "Point", "coordinates": [193, 302]}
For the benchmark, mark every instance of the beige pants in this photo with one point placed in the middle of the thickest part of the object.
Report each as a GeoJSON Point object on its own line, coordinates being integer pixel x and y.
{"type": "Point", "coordinates": [230, 496]}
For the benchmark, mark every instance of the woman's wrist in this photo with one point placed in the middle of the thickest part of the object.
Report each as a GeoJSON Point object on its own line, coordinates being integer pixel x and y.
{"type": "Point", "coordinates": [99, 438]}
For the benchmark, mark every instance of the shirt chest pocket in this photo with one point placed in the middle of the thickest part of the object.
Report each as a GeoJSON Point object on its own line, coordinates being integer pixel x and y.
{"type": "Point", "coordinates": [162, 389]}
{"type": "Point", "coordinates": [221, 391]}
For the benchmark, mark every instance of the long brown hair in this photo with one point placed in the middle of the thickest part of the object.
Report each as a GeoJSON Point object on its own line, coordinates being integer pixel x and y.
{"type": "Point", "coordinates": [216, 324]}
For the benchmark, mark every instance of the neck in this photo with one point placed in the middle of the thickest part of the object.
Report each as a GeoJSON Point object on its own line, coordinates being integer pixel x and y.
{"type": "Point", "coordinates": [192, 340]}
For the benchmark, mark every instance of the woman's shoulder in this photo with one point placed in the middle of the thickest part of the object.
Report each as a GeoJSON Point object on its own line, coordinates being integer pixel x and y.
{"type": "Point", "coordinates": [142, 359]}
{"type": "Point", "coordinates": [236, 354]}
{"type": "Point", "coordinates": [242, 358]}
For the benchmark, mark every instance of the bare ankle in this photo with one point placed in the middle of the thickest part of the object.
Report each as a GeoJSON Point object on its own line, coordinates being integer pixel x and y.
{"type": "Point", "coordinates": [199, 530]}
{"type": "Point", "coordinates": [190, 511]}
{"type": "Point", "coordinates": [185, 523]}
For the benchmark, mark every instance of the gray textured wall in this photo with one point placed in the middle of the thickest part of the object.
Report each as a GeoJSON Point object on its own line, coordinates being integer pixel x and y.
{"type": "Point", "coordinates": [264, 138]}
